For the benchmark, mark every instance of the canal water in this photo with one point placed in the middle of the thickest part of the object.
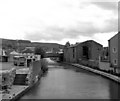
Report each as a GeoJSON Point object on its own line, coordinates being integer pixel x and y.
{"type": "Point", "coordinates": [67, 82]}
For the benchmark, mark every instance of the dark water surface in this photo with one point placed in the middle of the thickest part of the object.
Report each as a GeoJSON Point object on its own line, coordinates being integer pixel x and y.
{"type": "Point", "coordinates": [66, 82]}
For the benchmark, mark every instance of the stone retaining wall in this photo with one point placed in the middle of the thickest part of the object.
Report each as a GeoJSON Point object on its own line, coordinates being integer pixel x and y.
{"type": "Point", "coordinates": [7, 78]}
{"type": "Point", "coordinates": [89, 63]}
{"type": "Point", "coordinates": [110, 76]}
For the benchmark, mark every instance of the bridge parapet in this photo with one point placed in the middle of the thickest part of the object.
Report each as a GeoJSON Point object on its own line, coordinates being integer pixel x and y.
{"type": "Point", "coordinates": [54, 55]}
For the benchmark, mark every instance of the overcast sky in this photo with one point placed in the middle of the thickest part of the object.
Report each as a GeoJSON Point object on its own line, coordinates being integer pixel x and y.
{"type": "Point", "coordinates": [59, 20]}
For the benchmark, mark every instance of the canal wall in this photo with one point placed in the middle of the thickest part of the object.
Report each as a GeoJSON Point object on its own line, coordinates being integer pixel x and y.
{"type": "Point", "coordinates": [17, 91]}
{"type": "Point", "coordinates": [110, 76]}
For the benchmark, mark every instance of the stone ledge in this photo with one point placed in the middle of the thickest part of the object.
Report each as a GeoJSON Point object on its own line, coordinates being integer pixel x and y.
{"type": "Point", "coordinates": [110, 76]}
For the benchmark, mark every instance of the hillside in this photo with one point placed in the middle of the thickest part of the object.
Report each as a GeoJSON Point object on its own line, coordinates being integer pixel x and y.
{"type": "Point", "coordinates": [21, 44]}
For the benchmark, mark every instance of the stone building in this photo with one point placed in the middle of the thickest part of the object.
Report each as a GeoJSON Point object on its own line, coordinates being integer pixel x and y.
{"type": "Point", "coordinates": [105, 54]}
{"type": "Point", "coordinates": [86, 53]}
{"type": "Point", "coordinates": [114, 50]}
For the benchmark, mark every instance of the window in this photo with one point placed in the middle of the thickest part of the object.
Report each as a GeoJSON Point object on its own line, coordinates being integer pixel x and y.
{"type": "Point", "coordinates": [86, 52]}
{"type": "Point", "coordinates": [114, 50]}
{"type": "Point", "coordinates": [115, 62]}
{"type": "Point", "coordinates": [73, 52]}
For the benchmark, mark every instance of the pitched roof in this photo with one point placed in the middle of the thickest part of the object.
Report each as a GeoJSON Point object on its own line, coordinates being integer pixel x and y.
{"type": "Point", "coordinates": [92, 41]}
{"type": "Point", "coordinates": [27, 51]}
{"type": "Point", "coordinates": [74, 45]}
{"type": "Point", "coordinates": [14, 52]}
{"type": "Point", "coordinates": [116, 35]}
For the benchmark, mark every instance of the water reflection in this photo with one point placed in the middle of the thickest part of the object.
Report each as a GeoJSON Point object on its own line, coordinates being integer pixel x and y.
{"type": "Point", "coordinates": [64, 82]}
{"type": "Point", "coordinates": [114, 89]}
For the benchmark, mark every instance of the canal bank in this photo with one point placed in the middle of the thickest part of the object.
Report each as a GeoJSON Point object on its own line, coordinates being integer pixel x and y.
{"type": "Point", "coordinates": [64, 81]}
{"type": "Point", "coordinates": [25, 79]}
{"type": "Point", "coordinates": [17, 91]}
{"type": "Point", "coordinates": [107, 75]}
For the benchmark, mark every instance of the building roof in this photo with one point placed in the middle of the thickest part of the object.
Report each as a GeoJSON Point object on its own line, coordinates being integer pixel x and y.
{"type": "Point", "coordinates": [27, 51]}
{"type": "Point", "coordinates": [85, 42]}
{"type": "Point", "coordinates": [92, 41]}
{"type": "Point", "coordinates": [114, 36]}
{"type": "Point", "coordinates": [31, 48]}
{"type": "Point", "coordinates": [14, 53]}
{"type": "Point", "coordinates": [78, 43]}
{"type": "Point", "coordinates": [74, 45]}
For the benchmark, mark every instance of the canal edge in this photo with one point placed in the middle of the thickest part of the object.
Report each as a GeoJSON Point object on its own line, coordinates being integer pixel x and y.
{"type": "Point", "coordinates": [23, 92]}
{"type": "Point", "coordinates": [107, 75]}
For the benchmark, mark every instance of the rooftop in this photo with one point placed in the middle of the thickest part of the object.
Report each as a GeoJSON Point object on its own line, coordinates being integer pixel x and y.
{"type": "Point", "coordinates": [114, 36]}
{"type": "Point", "coordinates": [27, 51]}
{"type": "Point", "coordinates": [74, 45]}
{"type": "Point", "coordinates": [92, 41]}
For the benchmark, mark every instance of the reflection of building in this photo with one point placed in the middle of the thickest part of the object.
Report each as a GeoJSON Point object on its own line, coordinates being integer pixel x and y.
{"type": "Point", "coordinates": [85, 53]}
{"type": "Point", "coordinates": [114, 50]}
{"type": "Point", "coordinates": [3, 56]}
{"type": "Point", "coordinates": [114, 90]}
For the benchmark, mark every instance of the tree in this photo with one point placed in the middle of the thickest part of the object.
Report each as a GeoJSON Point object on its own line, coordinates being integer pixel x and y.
{"type": "Point", "coordinates": [9, 46]}
{"type": "Point", "coordinates": [40, 51]}
{"type": "Point", "coordinates": [67, 44]}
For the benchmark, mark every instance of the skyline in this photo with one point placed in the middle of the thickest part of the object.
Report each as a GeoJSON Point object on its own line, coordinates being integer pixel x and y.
{"type": "Point", "coordinates": [59, 21]}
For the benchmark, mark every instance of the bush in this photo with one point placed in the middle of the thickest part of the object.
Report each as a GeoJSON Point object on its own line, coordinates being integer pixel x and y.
{"type": "Point", "coordinates": [40, 51]}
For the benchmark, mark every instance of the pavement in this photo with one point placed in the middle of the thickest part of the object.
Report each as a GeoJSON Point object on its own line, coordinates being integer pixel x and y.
{"type": "Point", "coordinates": [17, 90]}
{"type": "Point", "coordinates": [14, 92]}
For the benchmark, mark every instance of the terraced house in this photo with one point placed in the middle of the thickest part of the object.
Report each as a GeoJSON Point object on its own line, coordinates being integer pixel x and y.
{"type": "Point", "coordinates": [86, 53]}
{"type": "Point", "coordinates": [114, 50]}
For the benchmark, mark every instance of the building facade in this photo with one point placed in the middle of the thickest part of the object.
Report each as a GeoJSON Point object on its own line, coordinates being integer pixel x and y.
{"type": "Point", "coordinates": [89, 52]}
{"type": "Point", "coordinates": [70, 53]}
{"type": "Point", "coordinates": [114, 50]}
{"type": "Point", "coordinates": [86, 53]}
{"type": "Point", "coordinates": [3, 56]}
{"type": "Point", "coordinates": [105, 54]}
